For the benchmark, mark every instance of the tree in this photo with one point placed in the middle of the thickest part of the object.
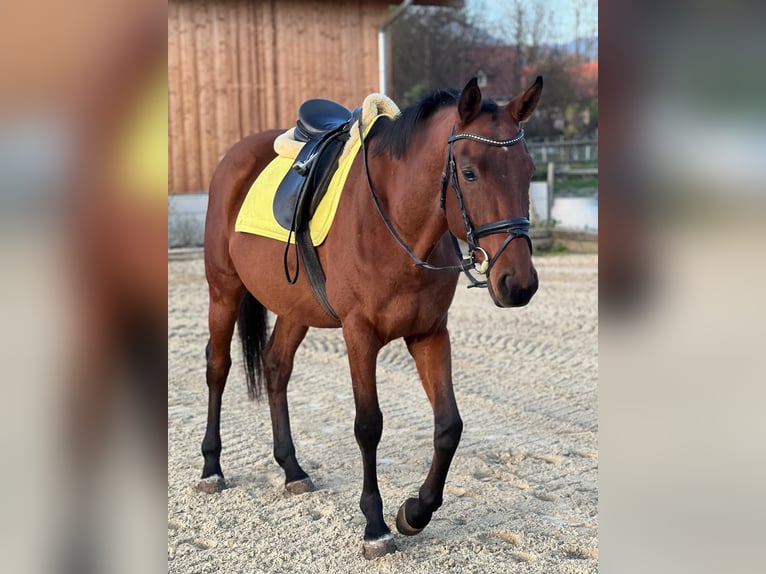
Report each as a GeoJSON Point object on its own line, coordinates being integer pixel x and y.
{"type": "Point", "coordinates": [525, 25]}
{"type": "Point", "coordinates": [570, 99]}
{"type": "Point", "coordinates": [431, 48]}
{"type": "Point", "coordinates": [437, 47]}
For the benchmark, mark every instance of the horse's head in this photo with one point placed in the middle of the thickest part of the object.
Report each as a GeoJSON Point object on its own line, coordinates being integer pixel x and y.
{"type": "Point", "coordinates": [491, 176]}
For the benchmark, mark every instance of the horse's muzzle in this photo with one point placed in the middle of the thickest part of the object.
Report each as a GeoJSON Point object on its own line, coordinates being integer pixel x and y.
{"type": "Point", "coordinates": [510, 292]}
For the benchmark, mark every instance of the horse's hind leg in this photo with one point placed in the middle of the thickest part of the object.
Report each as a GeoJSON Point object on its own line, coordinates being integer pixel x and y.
{"type": "Point", "coordinates": [222, 316]}
{"type": "Point", "coordinates": [434, 363]}
{"type": "Point", "coordinates": [278, 366]}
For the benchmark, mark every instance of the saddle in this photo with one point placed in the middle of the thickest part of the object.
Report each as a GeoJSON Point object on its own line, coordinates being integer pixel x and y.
{"type": "Point", "coordinates": [323, 134]}
{"type": "Point", "coordinates": [325, 127]}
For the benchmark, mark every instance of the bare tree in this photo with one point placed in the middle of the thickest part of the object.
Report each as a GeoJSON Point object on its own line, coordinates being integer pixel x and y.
{"type": "Point", "coordinates": [585, 27]}
{"type": "Point", "coordinates": [523, 24]}
{"type": "Point", "coordinates": [538, 32]}
{"type": "Point", "coordinates": [436, 47]}
{"type": "Point", "coordinates": [519, 33]}
{"type": "Point", "coordinates": [578, 6]}
{"type": "Point", "coordinates": [432, 48]}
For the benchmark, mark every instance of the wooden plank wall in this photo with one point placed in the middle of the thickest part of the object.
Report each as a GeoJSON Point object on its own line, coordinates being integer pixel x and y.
{"type": "Point", "coordinates": [239, 66]}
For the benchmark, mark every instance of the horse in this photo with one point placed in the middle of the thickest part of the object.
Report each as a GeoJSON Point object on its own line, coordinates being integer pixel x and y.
{"type": "Point", "coordinates": [391, 260]}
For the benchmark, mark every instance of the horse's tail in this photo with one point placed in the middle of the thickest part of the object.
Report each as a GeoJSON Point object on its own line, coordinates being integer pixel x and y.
{"type": "Point", "coordinates": [253, 325]}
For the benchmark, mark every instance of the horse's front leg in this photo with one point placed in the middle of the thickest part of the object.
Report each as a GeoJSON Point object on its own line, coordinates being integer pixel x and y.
{"type": "Point", "coordinates": [363, 347]}
{"type": "Point", "coordinates": [434, 362]}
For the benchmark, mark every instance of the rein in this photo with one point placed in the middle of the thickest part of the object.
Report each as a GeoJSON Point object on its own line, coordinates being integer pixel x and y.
{"type": "Point", "coordinates": [514, 226]}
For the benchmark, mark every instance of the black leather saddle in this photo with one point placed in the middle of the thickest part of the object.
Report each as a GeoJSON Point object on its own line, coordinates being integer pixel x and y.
{"type": "Point", "coordinates": [325, 127]}
{"type": "Point", "coordinates": [317, 117]}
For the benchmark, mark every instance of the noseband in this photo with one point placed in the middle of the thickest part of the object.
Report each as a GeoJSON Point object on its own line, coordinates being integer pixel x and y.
{"type": "Point", "coordinates": [514, 226]}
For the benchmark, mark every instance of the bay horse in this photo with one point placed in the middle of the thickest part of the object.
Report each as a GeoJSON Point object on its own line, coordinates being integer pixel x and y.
{"type": "Point", "coordinates": [400, 205]}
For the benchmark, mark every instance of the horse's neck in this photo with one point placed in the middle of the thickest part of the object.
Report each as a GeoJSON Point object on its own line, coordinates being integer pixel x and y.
{"type": "Point", "coordinates": [412, 196]}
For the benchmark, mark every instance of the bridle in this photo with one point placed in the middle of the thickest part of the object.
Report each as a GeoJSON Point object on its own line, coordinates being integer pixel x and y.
{"type": "Point", "coordinates": [514, 226]}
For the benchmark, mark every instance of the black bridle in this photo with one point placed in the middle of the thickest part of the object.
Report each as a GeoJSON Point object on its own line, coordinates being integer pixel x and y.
{"type": "Point", "coordinates": [514, 226]}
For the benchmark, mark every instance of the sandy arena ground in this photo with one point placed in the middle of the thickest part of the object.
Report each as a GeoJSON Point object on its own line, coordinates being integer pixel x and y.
{"type": "Point", "coordinates": [522, 493]}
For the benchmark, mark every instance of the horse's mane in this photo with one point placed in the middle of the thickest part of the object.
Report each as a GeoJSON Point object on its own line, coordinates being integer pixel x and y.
{"type": "Point", "coordinates": [394, 136]}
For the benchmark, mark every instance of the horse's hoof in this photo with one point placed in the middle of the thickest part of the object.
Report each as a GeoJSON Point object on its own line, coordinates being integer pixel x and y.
{"type": "Point", "coordinates": [403, 526]}
{"type": "Point", "coordinates": [380, 547]}
{"type": "Point", "coordinates": [211, 484]}
{"type": "Point", "coordinates": [300, 486]}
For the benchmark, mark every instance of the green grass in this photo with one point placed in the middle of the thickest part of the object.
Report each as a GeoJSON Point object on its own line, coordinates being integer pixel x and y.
{"type": "Point", "coordinates": [556, 249]}
{"type": "Point", "coordinates": [576, 183]}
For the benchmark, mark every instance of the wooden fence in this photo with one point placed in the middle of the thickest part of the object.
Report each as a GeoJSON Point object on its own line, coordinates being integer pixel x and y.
{"type": "Point", "coordinates": [564, 151]}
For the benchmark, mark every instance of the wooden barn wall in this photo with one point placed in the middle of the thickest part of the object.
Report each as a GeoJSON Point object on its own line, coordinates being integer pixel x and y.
{"type": "Point", "coordinates": [239, 66]}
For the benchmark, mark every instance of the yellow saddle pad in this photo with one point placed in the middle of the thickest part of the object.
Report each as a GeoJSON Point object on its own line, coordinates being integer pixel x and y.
{"type": "Point", "coordinates": [257, 214]}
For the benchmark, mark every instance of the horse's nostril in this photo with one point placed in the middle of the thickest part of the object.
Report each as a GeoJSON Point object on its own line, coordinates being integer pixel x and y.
{"type": "Point", "coordinates": [514, 291]}
{"type": "Point", "coordinates": [506, 285]}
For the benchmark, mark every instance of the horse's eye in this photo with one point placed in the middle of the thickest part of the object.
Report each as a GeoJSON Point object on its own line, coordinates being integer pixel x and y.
{"type": "Point", "coordinates": [469, 175]}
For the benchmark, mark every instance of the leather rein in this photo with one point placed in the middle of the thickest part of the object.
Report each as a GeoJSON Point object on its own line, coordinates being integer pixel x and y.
{"type": "Point", "coordinates": [514, 226]}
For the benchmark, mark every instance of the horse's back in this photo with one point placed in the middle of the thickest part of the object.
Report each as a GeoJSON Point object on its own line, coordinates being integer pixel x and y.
{"type": "Point", "coordinates": [232, 178]}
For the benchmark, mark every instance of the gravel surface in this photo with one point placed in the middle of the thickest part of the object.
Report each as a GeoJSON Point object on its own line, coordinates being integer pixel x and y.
{"type": "Point", "coordinates": [522, 493]}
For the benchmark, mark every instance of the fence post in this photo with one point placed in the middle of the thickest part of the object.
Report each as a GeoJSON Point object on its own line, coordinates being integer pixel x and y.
{"type": "Point", "coordinates": [551, 174]}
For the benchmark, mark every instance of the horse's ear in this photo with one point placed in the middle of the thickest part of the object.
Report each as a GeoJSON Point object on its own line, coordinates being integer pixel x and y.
{"type": "Point", "coordinates": [469, 105]}
{"type": "Point", "coordinates": [521, 107]}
